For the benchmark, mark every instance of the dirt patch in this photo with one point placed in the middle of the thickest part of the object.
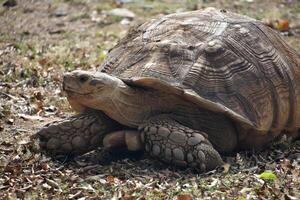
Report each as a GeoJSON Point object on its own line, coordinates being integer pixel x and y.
{"type": "Point", "coordinates": [40, 40]}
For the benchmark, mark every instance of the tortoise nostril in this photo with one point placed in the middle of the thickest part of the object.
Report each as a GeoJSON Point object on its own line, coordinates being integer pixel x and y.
{"type": "Point", "coordinates": [83, 78]}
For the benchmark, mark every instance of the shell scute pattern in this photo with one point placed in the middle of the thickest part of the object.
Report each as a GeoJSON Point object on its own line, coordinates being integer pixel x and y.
{"type": "Point", "coordinates": [225, 58]}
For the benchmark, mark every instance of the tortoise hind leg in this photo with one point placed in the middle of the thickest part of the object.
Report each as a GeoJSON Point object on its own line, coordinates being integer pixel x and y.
{"type": "Point", "coordinates": [130, 139]}
{"type": "Point", "coordinates": [76, 135]}
{"type": "Point", "coordinates": [174, 143]}
{"type": "Point", "coordinates": [121, 144]}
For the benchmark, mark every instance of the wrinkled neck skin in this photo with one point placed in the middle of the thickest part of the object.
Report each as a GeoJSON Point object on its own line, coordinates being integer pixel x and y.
{"type": "Point", "coordinates": [131, 106]}
{"type": "Point", "coordinates": [128, 105]}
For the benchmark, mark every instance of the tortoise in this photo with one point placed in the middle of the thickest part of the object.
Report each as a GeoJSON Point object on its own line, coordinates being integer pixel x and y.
{"type": "Point", "coordinates": [186, 88]}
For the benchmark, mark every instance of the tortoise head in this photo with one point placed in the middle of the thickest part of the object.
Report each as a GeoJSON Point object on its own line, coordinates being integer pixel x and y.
{"type": "Point", "coordinates": [89, 89]}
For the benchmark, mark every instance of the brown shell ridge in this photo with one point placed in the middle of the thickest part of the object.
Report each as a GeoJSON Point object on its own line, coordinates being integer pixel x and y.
{"type": "Point", "coordinates": [190, 95]}
{"type": "Point", "coordinates": [283, 71]}
{"type": "Point", "coordinates": [224, 62]}
{"type": "Point", "coordinates": [284, 60]}
{"type": "Point", "coordinates": [290, 58]}
{"type": "Point", "coordinates": [257, 60]}
{"type": "Point", "coordinates": [250, 57]}
{"type": "Point", "coordinates": [200, 74]}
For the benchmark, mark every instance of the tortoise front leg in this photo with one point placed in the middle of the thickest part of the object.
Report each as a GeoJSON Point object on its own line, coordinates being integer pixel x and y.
{"type": "Point", "coordinates": [76, 135]}
{"type": "Point", "coordinates": [179, 145]}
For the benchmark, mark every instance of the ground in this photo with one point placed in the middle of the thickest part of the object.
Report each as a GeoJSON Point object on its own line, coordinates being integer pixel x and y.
{"type": "Point", "coordinates": [41, 39]}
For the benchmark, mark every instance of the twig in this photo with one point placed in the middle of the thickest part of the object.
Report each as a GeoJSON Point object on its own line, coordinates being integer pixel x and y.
{"type": "Point", "coordinates": [9, 96]}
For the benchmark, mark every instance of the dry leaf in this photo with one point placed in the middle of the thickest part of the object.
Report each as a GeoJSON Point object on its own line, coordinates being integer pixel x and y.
{"type": "Point", "coordinates": [184, 197]}
{"type": "Point", "coordinates": [13, 168]}
{"type": "Point", "coordinates": [128, 198]}
{"type": "Point", "coordinates": [282, 25]}
{"type": "Point", "coordinates": [43, 61]}
{"type": "Point", "coordinates": [279, 24]}
{"type": "Point", "coordinates": [110, 179]}
{"type": "Point", "coordinates": [226, 168]}
{"type": "Point", "coordinates": [52, 183]}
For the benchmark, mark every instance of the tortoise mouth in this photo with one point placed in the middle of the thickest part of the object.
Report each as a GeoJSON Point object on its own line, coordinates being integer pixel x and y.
{"type": "Point", "coordinates": [71, 91]}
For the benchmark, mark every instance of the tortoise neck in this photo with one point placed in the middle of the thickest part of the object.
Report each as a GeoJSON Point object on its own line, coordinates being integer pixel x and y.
{"type": "Point", "coordinates": [128, 105]}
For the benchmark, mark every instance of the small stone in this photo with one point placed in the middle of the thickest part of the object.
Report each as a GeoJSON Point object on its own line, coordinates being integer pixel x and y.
{"type": "Point", "coordinates": [50, 108]}
{"type": "Point", "coordinates": [10, 3]}
{"type": "Point", "coordinates": [164, 132]}
{"type": "Point", "coordinates": [124, 1]}
{"type": "Point", "coordinates": [78, 142]}
{"type": "Point", "coordinates": [57, 31]}
{"type": "Point", "coordinates": [120, 12]}
{"type": "Point", "coordinates": [125, 22]}
{"type": "Point", "coordinates": [156, 150]}
{"type": "Point", "coordinates": [190, 158]}
{"type": "Point", "coordinates": [178, 154]}
{"type": "Point", "coordinates": [61, 10]}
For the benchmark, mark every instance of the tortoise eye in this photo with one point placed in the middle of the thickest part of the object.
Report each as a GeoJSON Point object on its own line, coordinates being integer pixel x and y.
{"type": "Point", "coordinates": [83, 78]}
{"type": "Point", "coordinates": [96, 82]}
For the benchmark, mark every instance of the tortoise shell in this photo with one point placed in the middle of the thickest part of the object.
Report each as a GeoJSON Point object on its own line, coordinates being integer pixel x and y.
{"type": "Point", "coordinates": [222, 61]}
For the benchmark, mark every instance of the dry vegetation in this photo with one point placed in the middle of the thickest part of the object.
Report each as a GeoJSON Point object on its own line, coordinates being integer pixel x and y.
{"type": "Point", "coordinates": [41, 39]}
